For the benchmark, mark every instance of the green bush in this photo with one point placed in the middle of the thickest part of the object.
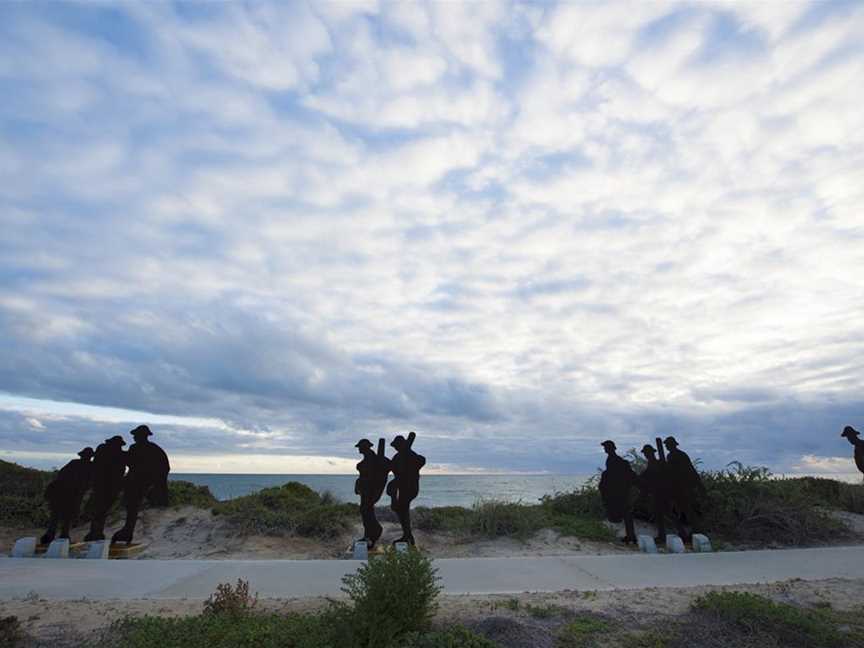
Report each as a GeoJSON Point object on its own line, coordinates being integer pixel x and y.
{"type": "Point", "coordinates": [290, 509]}
{"type": "Point", "coordinates": [391, 596]}
{"type": "Point", "coordinates": [746, 504]}
{"type": "Point", "coordinates": [580, 632]}
{"type": "Point", "coordinates": [184, 493]}
{"type": "Point", "coordinates": [453, 637]}
{"type": "Point", "coordinates": [493, 519]}
{"type": "Point", "coordinates": [11, 633]}
{"type": "Point", "coordinates": [231, 600]}
{"type": "Point", "coordinates": [454, 519]}
{"type": "Point", "coordinates": [21, 502]}
{"type": "Point", "coordinates": [790, 625]}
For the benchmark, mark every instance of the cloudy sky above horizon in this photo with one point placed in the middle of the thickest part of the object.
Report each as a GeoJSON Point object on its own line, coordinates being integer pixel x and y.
{"type": "Point", "coordinates": [269, 230]}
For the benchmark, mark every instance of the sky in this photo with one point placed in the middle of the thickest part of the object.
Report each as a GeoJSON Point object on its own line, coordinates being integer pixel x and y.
{"type": "Point", "coordinates": [268, 230]}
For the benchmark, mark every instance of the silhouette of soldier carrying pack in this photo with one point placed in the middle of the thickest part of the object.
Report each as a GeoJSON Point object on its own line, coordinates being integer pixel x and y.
{"type": "Point", "coordinates": [109, 464]}
{"type": "Point", "coordinates": [373, 470]}
{"type": "Point", "coordinates": [616, 483]}
{"type": "Point", "coordinates": [148, 476]}
{"type": "Point", "coordinates": [685, 487]}
{"type": "Point", "coordinates": [851, 435]}
{"type": "Point", "coordinates": [405, 485]}
{"type": "Point", "coordinates": [65, 492]}
{"type": "Point", "coordinates": [654, 482]}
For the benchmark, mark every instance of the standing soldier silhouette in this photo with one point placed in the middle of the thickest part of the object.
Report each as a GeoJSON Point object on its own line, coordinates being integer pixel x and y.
{"type": "Point", "coordinates": [616, 482]}
{"type": "Point", "coordinates": [148, 475]}
{"type": "Point", "coordinates": [685, 487]}
{"type": "Point", "coordinates": [653, 481]}
{"type": "Point", "coordinates": [65, 492]}
{"type": "Point", "coordinates": [405, 485]}
{"type": "Point", "coordinates": [373, 469]}
{"type": "Point", "coordinates": [851, 435]}
{"type": "Point", "coordinates": [109, 464]}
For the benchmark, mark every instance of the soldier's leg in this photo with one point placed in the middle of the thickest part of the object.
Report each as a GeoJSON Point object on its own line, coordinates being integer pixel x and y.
{"type": "Point", "coordinates": [629, 528]}
{"type": "Point", "coordinates": [134, 496]}
{"type": "Point", "coordinates": [102, 502]}
{"type": "Point", "coordinates": [51, 531]}
{"type": "Point", "coordinates": [660, 519]}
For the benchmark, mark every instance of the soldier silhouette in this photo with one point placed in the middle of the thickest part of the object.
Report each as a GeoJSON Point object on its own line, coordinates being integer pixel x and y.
{"type": "Point", "coordinates": [685, 487]}
{"type": "Point", "coordinates": [109, 464]}
{"type": "Point", "coordinates": [65, 492]}
{"type": "Point", "coordinates": [405, 485]}
{"type": "Point", "coordinates": [373, 469]}
{"type": "Point", "coordinates": [654, 482]}
{"type": "Point", "coordinates": [148, 476]}
{"type": "Point", "coordinates": [616, 483]}
{"type": "Point", "coordinates": [852, 435]}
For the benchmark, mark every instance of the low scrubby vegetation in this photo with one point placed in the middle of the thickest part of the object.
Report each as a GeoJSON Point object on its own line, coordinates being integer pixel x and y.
{"type": "Point", "coordinates": [743, 620]}
{"type": "Point", "coordinates": [288, 510]}
{"type": "Point", "coordinates": [391, 602]}
{"type": "Point", "coordinates": [494, 519]}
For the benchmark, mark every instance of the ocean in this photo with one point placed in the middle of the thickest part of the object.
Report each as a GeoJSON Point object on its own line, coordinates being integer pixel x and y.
{"type": "Point", "coordinates": [435, 490]}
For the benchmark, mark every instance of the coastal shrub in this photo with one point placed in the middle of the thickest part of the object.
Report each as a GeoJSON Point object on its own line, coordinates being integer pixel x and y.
{"type": "Point", "coordinates": [11, 633]}
{"type": "Point", "coordinates": [493, 519]}
{"type": "Point", "coordinates": [454, 519]}
{"type": "Point", "coordinates": [744, 620]}
{"type": "Point", "coordinates": [790, 625]}
{"type": "Point", "coordinates": [184, 493]}
{"type": "Point", "coordinates": [290, 509]}
{"type": "Point", "coordinates": [831, 493]}
{"type": "Point", "coordinates": [391, 596]}
{"type": "Point", "coordinates": [452, 637]}
{"type": "Point", "coordinates": [21, 502]}
{"type": "Point", "coordinates": [232, 600]}
{"type": "Point", "coordinates": [584, 501]}
{"type": "Point", "coordinates": [580, 632]}
{"type": "Point", "coordinates": [745, 504]}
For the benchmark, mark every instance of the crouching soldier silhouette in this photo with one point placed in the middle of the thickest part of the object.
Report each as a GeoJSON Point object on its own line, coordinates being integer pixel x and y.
{"type": "Point", "coordinates": [148, 476]}
{"type": "Point", "coordinates": [616, 483]}
{"type": "Point", "coordinates": [852, 435]}
{"type": "Point", "coordinates": [373, 469]}
{"type": "Point", "coordinates": [64, 495]}
{"type": "Point", "coordinates": [109, 464]}
{"type": "Point", "coordinates": [685, 488]}
{"type": "Point", "coordinates": [654, 483]}
{"type": "Point", "coordinates": [405, 485]}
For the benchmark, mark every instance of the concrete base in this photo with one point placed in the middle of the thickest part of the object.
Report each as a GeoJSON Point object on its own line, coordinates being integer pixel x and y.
{"type": "Point", "coordinates": [100, 550]}
{"type": "Point", "coordinates": [647, 544]}
{"type": "Point", "coordinates": [24, 548]}
{"type": "Point", "coordinates": [674, 544]}
{"type": "Point", "coordinates": [361, 550]}
{"type": "Point", "coordinates": [401, 547]}
{"type": "Point", "coordinates": [58, 549]}
{"type": "Point", "coordinates": [701, 543]}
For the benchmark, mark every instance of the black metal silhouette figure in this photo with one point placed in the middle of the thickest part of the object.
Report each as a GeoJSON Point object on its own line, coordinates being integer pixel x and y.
{"type": "Point", "coordinates": [616, 483]}
{"type": "Point", "coordinates": [685, 488]}
{"type": "Point", "coordinates": [148, 476]}
{"type": "Point", "coordinates": [373, 469]}
{"type": "Point", "coordinates": [654, 482]}
{"type": "Point", "coordinates": [109, 465]}
{"type": "Point", "coordinates": [405, 485]}
{"type": "Point", "coordinates": [64, 495]}
{"type": "Point", "coordinates": [852, 435]}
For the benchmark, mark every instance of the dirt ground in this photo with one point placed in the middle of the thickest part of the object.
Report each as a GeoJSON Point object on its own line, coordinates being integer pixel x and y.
{"type": "Point", "coordinates": [69, 623]}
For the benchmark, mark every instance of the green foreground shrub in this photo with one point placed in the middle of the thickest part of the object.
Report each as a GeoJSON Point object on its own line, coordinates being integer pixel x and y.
{"type": "Point", "coordinates": [392, 595]}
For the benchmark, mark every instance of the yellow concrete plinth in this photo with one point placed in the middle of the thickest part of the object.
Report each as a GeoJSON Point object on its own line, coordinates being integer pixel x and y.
{"type": "Point", "coordinates": [122, 550]}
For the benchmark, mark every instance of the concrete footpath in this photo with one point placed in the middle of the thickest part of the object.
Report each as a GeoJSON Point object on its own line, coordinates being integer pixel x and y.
{"type": "Point", "coordinates": [197, 579]}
